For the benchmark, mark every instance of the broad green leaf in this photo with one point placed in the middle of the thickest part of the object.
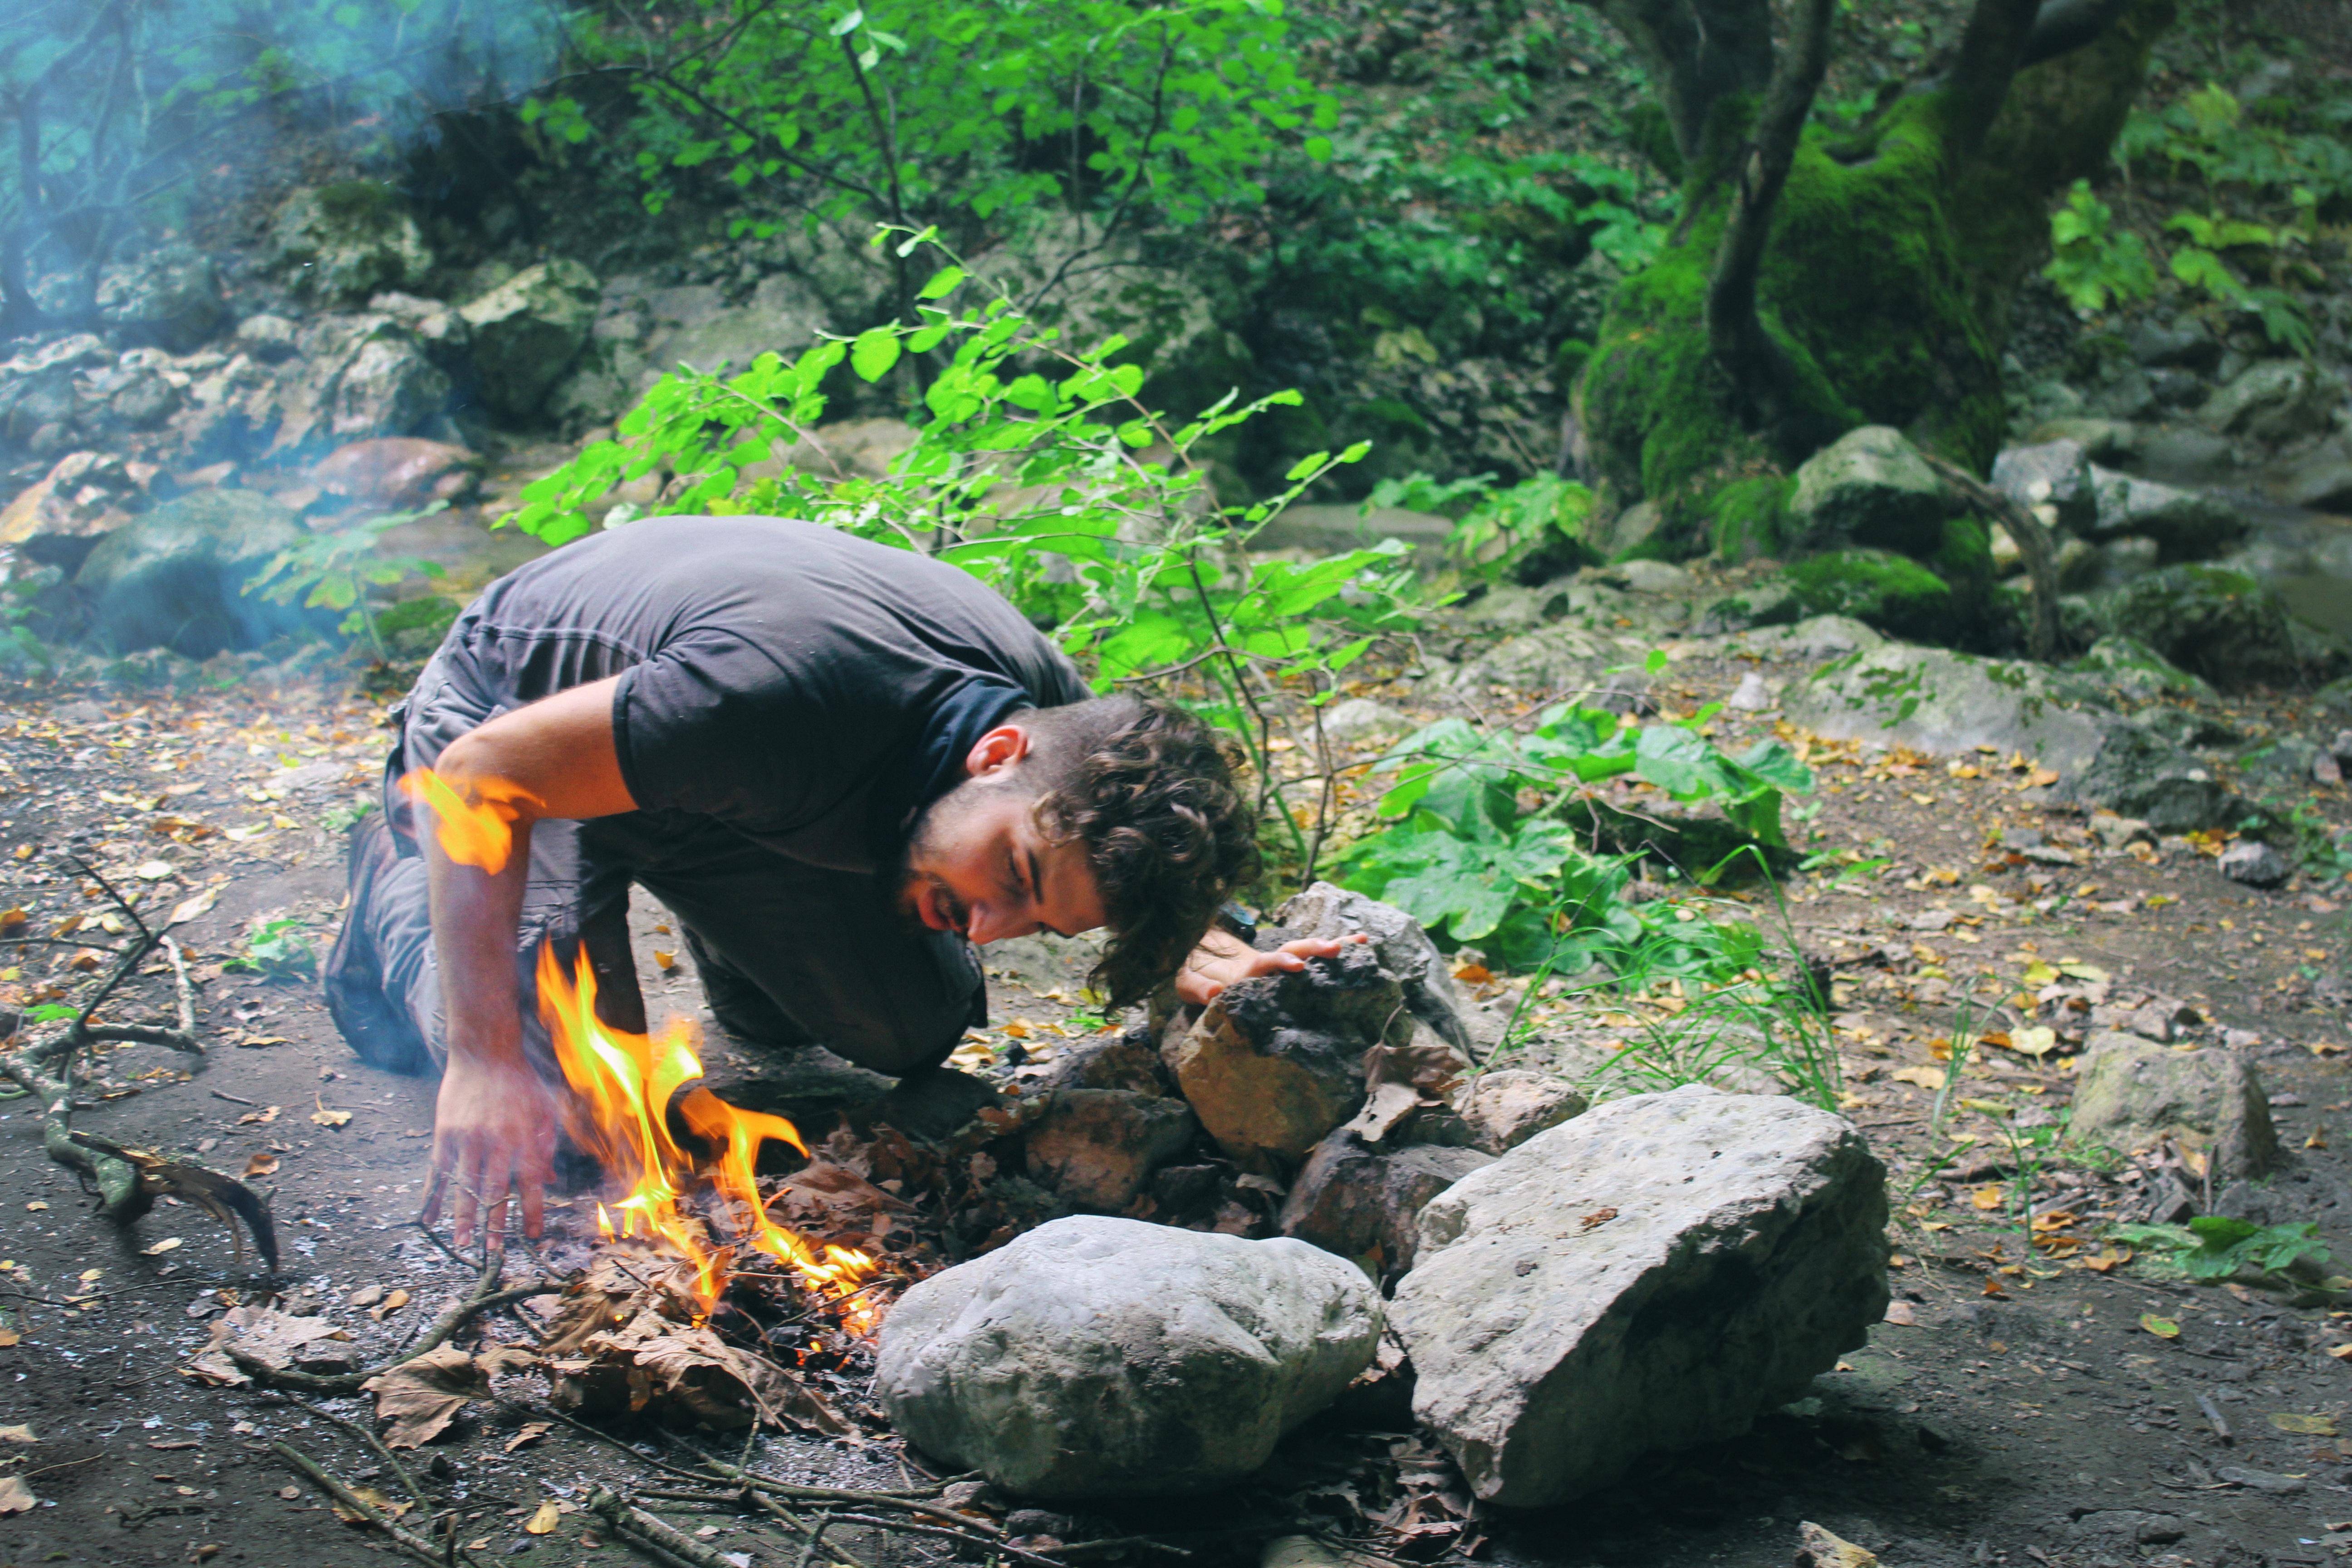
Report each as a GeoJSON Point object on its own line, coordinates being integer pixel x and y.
{"type": "Point", "coordinates": [873, 352]}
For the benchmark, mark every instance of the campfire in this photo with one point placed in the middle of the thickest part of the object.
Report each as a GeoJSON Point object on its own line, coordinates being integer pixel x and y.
{"type": "Point", "coordinates": [621, 1086]}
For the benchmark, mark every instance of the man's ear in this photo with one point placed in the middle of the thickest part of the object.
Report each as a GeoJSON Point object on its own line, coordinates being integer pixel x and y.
{"type": "Point", "coordinates": [997, 751]}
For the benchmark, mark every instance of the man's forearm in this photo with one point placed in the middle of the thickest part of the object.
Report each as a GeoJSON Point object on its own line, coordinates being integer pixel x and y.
{"type": "Point", "coordinates": [474, 918]}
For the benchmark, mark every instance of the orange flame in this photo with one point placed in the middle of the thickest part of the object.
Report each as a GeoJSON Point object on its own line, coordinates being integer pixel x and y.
{"type": "Point", "coordinates": [622, 1084]}
{"type": "Point", "coordinates": [476, 831]}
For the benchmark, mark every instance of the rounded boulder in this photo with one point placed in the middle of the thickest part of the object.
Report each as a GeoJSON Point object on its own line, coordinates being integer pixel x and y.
{"type": "Point", "coordinates": [1100, 1357]}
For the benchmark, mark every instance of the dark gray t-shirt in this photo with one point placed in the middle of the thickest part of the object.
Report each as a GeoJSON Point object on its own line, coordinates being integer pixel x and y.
{"type": "Point", "coordinates": [806, 688]}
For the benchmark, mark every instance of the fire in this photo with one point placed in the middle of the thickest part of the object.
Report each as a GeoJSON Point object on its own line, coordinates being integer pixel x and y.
{"type": "Point", "coordinates": [476, 831]}
{"type": "Point", "coordinates": [622, 1084]}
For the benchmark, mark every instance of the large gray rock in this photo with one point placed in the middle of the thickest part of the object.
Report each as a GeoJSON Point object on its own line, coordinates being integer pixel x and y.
{"type": "Point", "coordinates": [526, 331]}
{"type": "Point", "coordinates": [1365, 1205]}
{"type": "Point", "coordinates": [1098, 1357]}
{"type": "Point", "coordinates": [344, 242]}
{"type": "Point", "coordinates": [2055, 474]}
{"type": "Point", "coordinates": [2223, 625]}
{"type": "Point", "coordinates": [357, 376]}
{"type": "Point", "coordinates": [1403, 949]}
{"type": "Point", "coordinates": [1952, 703]}
{"type": "Point", "coordinates": [2274, 401]}
{"type": "Point", "coordinates": [2322, 479]}
{"type": "Point", "coordinates": [174, 578]}
{"type": "Point", "coordinates": [1097, 1147]}
{"type": "Point", "coordinates": [2131, 1093]}
{"type": "Point", "coordinates": [169, 297]}
{"type": "Point", "coordinates": [1870, 488]}
{"type": "Point", "coordinates": [1277, 1062]}
{"type": "Point", "coordinates": [2127, 666]}
{"type": "Point", "coordinates": [2256, 864]}
{"type": "Point", "coordinates": [1651, 1276]}
{"type": "Point", "coordinates": [2187, 525]}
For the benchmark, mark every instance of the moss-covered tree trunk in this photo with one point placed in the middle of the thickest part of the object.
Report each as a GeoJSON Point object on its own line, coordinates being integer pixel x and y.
{"type": "Point", "coordinates": [1890, 256]}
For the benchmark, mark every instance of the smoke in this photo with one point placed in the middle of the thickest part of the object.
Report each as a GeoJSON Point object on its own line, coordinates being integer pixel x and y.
{"type": "Point", "coordinates": [129, 116]}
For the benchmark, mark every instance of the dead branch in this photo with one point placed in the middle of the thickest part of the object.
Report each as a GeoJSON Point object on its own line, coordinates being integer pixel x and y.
{"type": "Point", "coordinates": [350, 1501]}
{"type": "Point", "coordinates": [183, 991]}
{"type": "Point", "coordinates": [225, 1198]}
{"type": "Point", "coordinates": [617, 1511]}
{"type": "Point", "coordinates": [391, 1460]}
{"type": "Point", "coordinates": [2041, 637]}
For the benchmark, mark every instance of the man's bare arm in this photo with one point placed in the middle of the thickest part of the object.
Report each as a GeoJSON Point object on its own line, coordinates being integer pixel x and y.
{"type": "Point", "coordinates": [494, 1125]}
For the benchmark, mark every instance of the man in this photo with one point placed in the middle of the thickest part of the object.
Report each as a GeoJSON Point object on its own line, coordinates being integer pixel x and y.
{"type": "Point", "coordinates": [838, 764]}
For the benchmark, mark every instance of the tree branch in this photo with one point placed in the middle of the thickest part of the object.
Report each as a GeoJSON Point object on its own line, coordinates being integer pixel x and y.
{"type": "Point", "coordinates": [1757, 366]}
{"type": "Point", "coordinates": [1991, 51]}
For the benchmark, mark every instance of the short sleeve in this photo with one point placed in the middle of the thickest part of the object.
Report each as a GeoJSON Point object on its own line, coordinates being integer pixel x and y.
{"type": "Point", "coordinates": [709, 725]}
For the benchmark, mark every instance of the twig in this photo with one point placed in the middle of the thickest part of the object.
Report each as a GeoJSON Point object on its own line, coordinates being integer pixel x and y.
{"type": "Point", "coordinates": [400, 1471]}
{"type": "Point", "coordinates": [234, 1100]}
{"type": "Point", "coordinates": [615, 1510]}
{"type": "Point", "coordinates": [816, 1536]}
{"type": "Point", "coordinates": [414, 1546]}
{"type": "Point", "coordinates": [2213, 1415]}
{"type": "Point", "coordinates": [995, 1545]}
{"type": "Point", "coordinates": [184, 990]}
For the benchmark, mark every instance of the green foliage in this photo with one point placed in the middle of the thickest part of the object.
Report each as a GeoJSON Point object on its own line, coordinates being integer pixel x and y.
{"type": "Point", "coordinates": [278, 950]}
{"type": "Point", "coordinates": [896, 112]}
{"type": "Point", "coordinates": [1489, 831]}
{"type": "Point", "coordinates": [2093, 263]}
{"type": "Point", "coordinates": [337, 569]}
{"type": "Point", "coordinates": [1036, 468]}
{"type": "Point", "coordinates": [1522, 532]}
{"type": "Point", "coordinates": [2214, 1247]}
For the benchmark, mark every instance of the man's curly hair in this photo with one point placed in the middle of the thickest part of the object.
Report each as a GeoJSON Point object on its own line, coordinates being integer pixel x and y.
{"type": "Point", "coordinates": [1149, 788]}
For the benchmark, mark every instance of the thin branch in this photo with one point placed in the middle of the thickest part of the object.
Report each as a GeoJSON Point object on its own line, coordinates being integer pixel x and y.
{"type": "Point", "coordinates": [350, 1501]}
{"type": "Point", "coordinates": [483, 1299]}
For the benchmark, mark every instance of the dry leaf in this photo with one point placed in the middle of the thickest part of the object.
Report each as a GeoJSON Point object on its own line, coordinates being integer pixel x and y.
{"type": "Point", "coordinates": [10, 1338]}
{"type": "Point", "coordinates": [18, 1434]}
{"type": "Point", "coordinates": [89, 1274]}
{"type": "Point", "coordinates": [1925, 1076]}
{"type": "Point", "coordinates": [544, 1521]}
{"type": "Point", "coordinates": [262, 1164]}
{"type": "Point", "coordinates": [2034, 1042]}
{"type": "Point", "coordinates": [533, 1431]}
{"type": "Point", "coordinates": [260, 1042]}
{"type": "Point", "coordinates": [263, 1117]}
{"type": "Point", "coordinates": [2305, 1426]}
{"type": "Point", "coordinates": [1900, 1313]}
{"type": "Point", "coordinates": [190, 907]}
{"type": "Point", "coordinates": [326, 1118]}
{"type": "Point", "coordinates": [2162, 1327]}
{"type": "Point", "coordinates": [1817, 1548]}
{"type": "Point", "coordinates": [275, 1338]}
{"type": "Point", "coordinates": [666, 960]}
{"type": "Point", "coordinates": [390, 1304]}
{"type": "Point", "coordinates": [12, 920]}
{"type": "Point", "coordinates": [1989, 1197]}
{"type": "Point", "coordinates": [15, 1496]}
{"type": "Point", "coordinates": [422, 1397]}
{"type": "Point", "coordinates": [36, 1206]}
{"type": "Point", "coordinates": [166, 1244]}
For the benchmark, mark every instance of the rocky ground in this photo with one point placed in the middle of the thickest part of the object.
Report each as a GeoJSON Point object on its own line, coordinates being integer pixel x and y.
{"type": "Point", "coordinates": [2037, 1389]}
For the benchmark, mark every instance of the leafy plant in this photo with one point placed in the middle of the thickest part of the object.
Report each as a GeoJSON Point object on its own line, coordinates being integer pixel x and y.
{"type": "Point", "coordinates": [2215, 1247]}
{"type": "Point", "coordinates": [335, 570]}
{"type": "Point", "coordinates": [279, 949]}
{"type": "Point", "coordinates": [1036, 468]}
{"type": "Point", "coordinates": [1492, 835]}
{"type": "Point", "coordinates": [2093, 263]}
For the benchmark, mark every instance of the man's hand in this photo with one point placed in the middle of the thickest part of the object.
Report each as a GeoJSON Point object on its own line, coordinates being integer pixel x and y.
{"type": "Point", "coordinates": [1222, 958]}
{"type": "Point", "coordinates": [493, 1130]}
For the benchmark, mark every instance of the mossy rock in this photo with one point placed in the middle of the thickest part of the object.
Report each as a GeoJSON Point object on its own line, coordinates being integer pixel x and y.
{"type": "Point", "coordinates": [175, 577]}
{"type": "Point", "coordinates": [2128, 665]}
{"type": "Point", "coordinates": [345, 242]}
{"type": "Point", "coordinates": [2220, 624]}
{"type": "Point", "coordinates": [1877, 587]}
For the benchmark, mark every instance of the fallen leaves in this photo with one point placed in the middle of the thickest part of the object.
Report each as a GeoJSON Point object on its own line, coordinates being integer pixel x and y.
{"type": "Point", "coordinates": [651, 1361]}
{"type": "Point", "coordinates": [533, 1431]}
{"type": "Point", "coordinates": [1925, 1076]}
{"type": "Point", "coordinates": [545, 1520]}
{"type": "Point", "coordinates": [422, 1396]}
{"type": "Point", "coordinates": [262, 1164]}
{"type": "Point", "coordinates": [168, 1244]}
{"type": "Point", "coordinates": [2162, 1327]}
{"type": "Point", "coordinates": [22, 1433]}
{"type": "Point", "coordinates": [388, 1305]}
{"type": "Point", "coordinates": [261, 1118]}
{"type": "Point", "coordinates": [2305, 1425]}
{"type": "Point", "coordinates": [188, 908]}
{"type": "Point", "coordinates": [326, 1118]}
{"type": "Point", "coordinates": [15, 1496]}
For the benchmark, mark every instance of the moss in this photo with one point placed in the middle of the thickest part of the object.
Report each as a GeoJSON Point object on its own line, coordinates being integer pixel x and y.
{"type": "Point", "coordinates": [1864, 288]}
{"type": "Point", "coordinates": [1877, 587]}
{"type": "Point", "coordinates": [1749, 518]}
{"type": "Point", "coordinates": [361, 206]}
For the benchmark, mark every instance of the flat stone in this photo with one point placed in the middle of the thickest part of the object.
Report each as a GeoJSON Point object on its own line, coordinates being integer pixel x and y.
{"type": "Point", "coordinates": [2132, 1092]}
{"type": "Point", "coordinates": [1651, 1276]}
{"type": "Point", "coordinates": [1508, 1106]}
{"type": "Point", "coordinates": [2187, 525]}
{"type": "Point", "coordinates": [2256, 864]}
{"type": "Point", "coordinates": [1100, 1357]}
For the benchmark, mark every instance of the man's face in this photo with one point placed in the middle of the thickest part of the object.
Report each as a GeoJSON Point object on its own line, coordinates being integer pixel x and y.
{"type": "Point", "coordinates": [977, 863]}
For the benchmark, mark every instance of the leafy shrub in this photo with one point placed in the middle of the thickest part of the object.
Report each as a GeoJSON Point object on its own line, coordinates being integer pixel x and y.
{"type": "Point", "coordinates": [2214, 1247]}
{"type": "Point", "coordinates": [1523, 533]}
{"type": "Point", "coordinates": [1492, 837]}
{"type": "Point", "coordinates": [336, 570]}
{"type": "Point", "coordinates": [2094, 264]}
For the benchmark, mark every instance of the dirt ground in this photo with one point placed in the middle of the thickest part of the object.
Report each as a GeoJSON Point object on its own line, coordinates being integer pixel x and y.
{"type": "Point", "coordinates": [2012, 1407]}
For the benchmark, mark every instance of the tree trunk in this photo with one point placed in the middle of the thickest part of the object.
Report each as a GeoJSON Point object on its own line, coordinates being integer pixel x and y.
{"type": "Point", "coordinates": [1870, 284]}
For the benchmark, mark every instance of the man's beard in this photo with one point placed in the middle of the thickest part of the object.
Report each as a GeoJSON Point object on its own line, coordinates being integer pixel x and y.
{"type": "Point", "coordinates": [923, 840]}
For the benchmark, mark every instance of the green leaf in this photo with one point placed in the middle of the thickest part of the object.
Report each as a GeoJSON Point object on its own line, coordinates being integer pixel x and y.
{"type": "Point", "coordinates": [943, 282]}
{"type": "Point", "coordinates": [847, 23]}
{"type": "Point", "coordinates": [873, 352]}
